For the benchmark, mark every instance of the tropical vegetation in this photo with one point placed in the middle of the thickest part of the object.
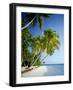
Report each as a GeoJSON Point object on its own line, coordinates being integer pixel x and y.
{"type": "Point", "coordinates": [33, 47]}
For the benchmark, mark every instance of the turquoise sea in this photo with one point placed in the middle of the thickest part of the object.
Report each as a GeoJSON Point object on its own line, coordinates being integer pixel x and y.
{"type": "Point", "coordinates": [54, 69]}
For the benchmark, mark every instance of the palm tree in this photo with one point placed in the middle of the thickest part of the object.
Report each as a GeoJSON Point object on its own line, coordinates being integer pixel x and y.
{"type": "Point", "coordinates": [32, 19]}
{"type": "Point", "coordinates": [26, 42]}
{"type": "Point", "coordinates": [48, 43]}
{"type": "Point", "coordinates": [36, 48]}
{"type": "Point", "coordinates": [51, 42]}
{"type": "Point", "coordinates": [30, 47]}
{"type": "Point", "coordinates": [33, 47]}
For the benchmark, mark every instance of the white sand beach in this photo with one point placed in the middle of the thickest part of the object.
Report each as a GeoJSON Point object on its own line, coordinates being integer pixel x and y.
{"type": "Point", "coordinates": [50, 70]}
{"type": "Point", "coordinates": [36, 71]}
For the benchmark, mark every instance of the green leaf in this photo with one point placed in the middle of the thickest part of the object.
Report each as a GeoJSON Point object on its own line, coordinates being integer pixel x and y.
{"type": "Point", "coordinates": [22, 23]}
{"type": "Point", "coordinates": [34, 22]}
{"type": "Point", "coordinates": [45, 15]}
{"type": "Point", "coordinates": [40, 20]}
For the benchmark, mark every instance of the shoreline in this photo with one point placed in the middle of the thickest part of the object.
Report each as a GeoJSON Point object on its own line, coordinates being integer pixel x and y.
{"type": "Point", "coordinates": [36, 71]}
{"type": "Point", "coordinates": [50, 70]}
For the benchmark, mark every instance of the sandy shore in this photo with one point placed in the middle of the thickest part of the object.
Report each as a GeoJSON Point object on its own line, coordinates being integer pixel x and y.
{"type": "Point", "coordinates": [36, 71]}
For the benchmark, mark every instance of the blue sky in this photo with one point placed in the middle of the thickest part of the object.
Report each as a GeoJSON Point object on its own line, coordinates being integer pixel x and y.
{"type": "Point", "coordinates": [56, 22]}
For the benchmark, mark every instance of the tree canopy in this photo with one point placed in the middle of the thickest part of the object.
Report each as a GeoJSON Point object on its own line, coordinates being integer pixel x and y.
{"type": "Point", "coordinates": [33, 47]}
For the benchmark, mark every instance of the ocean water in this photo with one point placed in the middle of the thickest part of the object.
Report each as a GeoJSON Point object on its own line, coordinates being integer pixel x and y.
{"type": "Point", "coordinates": [54, 70]}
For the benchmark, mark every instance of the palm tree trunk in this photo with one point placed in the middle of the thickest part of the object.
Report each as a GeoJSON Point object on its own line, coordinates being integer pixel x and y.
{"type": "Point", "coordinates": [28, 23]}
{"type": "Point", "coordinates": [44, 58]}
{"type": "Point", "coordinates": [35, 60]}
{"type": "Point", "coordinates": [42, 32]}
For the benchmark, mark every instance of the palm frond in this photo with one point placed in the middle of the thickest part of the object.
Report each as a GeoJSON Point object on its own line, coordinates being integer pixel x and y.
{"type": "Point", "coordinates": [34, 22]}
{"type": "Point", "coordinates": [40, 20]}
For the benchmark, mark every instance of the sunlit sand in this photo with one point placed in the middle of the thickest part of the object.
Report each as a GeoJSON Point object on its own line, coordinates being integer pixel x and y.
{"type": "Point", "coordinates": [36, 71]}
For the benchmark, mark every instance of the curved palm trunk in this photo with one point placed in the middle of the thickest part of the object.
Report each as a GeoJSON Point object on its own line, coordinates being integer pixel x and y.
{"type": "Point", "coordinates": [44, 58]}
{"type": "Point", "coordinates": [35, 60]}
{"type": "Point", "coordinates": [42, 33]}
{"type": "Point", "coordinates": [28, 23]}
